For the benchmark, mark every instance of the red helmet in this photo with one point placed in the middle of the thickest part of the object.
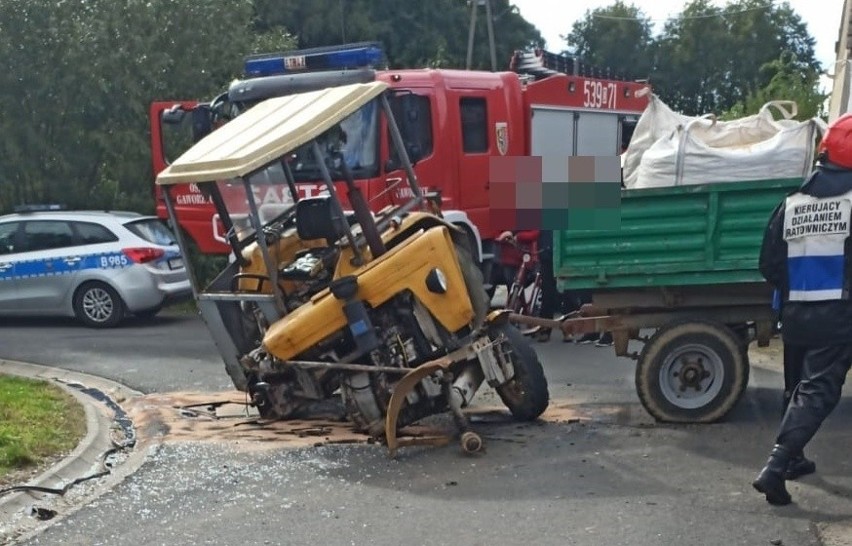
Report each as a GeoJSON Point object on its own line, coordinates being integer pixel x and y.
{"type": "Point", "coordinates": [836, 145]}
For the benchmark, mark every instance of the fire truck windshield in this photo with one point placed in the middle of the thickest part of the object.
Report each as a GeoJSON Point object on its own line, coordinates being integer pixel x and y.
{"type": "Point", "coordinates": [355, 139]}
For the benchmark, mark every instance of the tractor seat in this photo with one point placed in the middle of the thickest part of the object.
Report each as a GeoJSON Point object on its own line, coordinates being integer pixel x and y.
{"type": "Point", "coordinates": [316, 218]}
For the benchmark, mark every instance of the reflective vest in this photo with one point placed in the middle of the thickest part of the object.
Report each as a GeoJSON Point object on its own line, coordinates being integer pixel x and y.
{"type": "Point", "coordinates": [816, 230]}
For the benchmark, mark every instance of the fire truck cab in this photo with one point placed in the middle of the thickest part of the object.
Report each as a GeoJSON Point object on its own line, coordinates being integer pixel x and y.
{"type": "Point", "coordinates": [452, 121]}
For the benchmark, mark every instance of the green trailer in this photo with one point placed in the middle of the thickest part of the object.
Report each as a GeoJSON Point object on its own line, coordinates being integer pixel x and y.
{"type": "Point", "coordinates": [683, 265]}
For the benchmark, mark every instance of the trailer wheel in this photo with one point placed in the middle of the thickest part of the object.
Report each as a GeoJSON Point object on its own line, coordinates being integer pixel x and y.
{"type": "Point", "coordinates": [526, 394]}
{"type": "Point", "coordinates": [691, 372]}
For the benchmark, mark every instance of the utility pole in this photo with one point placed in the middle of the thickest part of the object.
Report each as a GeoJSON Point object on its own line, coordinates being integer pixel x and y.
{"type": "Point", "coordinates": [840, 102]}
{"type": "Point", "coordinates": [474, 8]}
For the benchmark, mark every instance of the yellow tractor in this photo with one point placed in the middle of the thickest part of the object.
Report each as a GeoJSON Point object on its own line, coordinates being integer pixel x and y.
{"type": "Point", "coordinates": [325, 301]}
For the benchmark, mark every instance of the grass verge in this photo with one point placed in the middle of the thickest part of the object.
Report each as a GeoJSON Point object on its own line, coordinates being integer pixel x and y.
{"type": "Point", "coordinates": [38, 422]}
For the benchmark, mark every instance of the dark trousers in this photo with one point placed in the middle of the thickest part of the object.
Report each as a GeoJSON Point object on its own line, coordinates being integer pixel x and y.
{"type": "Point", "coordinates": [549, 294]}
{"type": "Point", "coordinates": [823, 373]}
{"type": "Point", "coordinates": [794, 359]}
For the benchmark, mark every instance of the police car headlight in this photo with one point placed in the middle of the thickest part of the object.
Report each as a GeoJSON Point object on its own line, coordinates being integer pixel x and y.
{"type": "Point", "coordinates": [436, 281]}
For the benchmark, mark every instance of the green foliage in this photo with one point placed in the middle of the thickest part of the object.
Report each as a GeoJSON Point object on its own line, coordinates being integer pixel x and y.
{"type": "Point", "coordinates": [80, 75]}
{"type": "Point", "coordinates": [709, 58]}
{"type": "Point", "coordinates": [706, 58]}
{"type": "Point", "coordinates": [617, 37]}
{"type": "Point", "coordinates": [414, 34]}
{"type": "Point", "coordinates": [691, 59]}
{"type": "Point", "coordinates": [788, 82]}
{"type": "Point", "coordinates": [37, 421]}
{"type": "Point", "coordinates": [205, 266]}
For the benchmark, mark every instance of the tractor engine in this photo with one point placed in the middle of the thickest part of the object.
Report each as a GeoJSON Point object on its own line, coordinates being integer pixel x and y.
{"type": "Point", "coordinates": [403, 345]}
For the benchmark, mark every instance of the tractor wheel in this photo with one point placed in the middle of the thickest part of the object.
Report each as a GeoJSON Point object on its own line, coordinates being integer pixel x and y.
{"type": "Point", "coordinates": [526, 394]}
{"type": "Point", "coordinates": [473, 280]}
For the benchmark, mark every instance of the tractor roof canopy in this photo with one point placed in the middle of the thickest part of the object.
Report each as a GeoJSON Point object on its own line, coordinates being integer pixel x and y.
{"type": "Point", "coordinates": [266, 132]}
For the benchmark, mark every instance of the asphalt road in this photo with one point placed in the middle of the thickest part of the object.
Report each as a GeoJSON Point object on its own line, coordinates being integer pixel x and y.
{"type": "Point", "coordinates": [171, 352]}
{"type": "Point", "coordinates": [613, 478]}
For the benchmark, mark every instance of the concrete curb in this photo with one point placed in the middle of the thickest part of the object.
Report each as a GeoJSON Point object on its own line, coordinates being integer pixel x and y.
{"type": "Point", "coordinates": [84, 461]}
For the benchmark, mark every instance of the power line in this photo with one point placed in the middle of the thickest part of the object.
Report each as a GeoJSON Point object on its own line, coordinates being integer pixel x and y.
{"type": "Point", "coordinates": [684, 18]}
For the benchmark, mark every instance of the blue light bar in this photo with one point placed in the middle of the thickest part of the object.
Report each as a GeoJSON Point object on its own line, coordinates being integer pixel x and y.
{"type": "Point", "coordinates": [38, 208]}
{"type": "Point", "coordinates": [308, 60]}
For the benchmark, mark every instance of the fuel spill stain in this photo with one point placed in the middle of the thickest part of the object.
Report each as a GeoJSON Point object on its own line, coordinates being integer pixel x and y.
{"type": "Point", "coordinates": [226, 417]}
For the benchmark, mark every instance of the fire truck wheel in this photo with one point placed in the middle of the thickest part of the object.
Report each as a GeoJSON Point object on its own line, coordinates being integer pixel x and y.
{"type": "Point", "coordinates": [526, 394]}
{"type": "Point", "coordinates": [691, 372]}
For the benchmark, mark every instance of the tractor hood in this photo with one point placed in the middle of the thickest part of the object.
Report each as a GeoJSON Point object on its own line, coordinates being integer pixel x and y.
{"type": "Point", "coordinates": [266, 132]}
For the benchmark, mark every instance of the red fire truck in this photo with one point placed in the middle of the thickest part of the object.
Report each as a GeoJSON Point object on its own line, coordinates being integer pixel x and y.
{"type": "Point", "coordinates": [452, 121]}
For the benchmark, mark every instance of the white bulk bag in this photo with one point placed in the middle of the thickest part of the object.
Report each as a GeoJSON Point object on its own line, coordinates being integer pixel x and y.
{"type": "Point", "coordinates": [670, 149]}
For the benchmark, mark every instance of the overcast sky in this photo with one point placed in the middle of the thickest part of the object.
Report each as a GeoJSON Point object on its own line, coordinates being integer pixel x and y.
{"type": "Point", "coordinates": [555, 17]}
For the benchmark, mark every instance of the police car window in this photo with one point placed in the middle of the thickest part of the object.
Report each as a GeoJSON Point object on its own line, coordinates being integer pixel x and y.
{"type": "Point", "coordinates": [153, 231]}
{"type": "Point", "coordinates": [92, 234]}
{"type": "Point", "coordinates": [7, 237]}
{"type": "Point", "coordinates": [474, 119]}
{"type": "Point", "coordinates": [46, 235]}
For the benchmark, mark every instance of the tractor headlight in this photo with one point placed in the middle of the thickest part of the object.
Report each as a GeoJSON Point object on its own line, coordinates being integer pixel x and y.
{"type": "Point", "coordinates": [436, 281]}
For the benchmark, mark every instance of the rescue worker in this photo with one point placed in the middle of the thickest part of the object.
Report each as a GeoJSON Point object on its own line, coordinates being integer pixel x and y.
{"type": "Point", "coordinates": [806, 256]}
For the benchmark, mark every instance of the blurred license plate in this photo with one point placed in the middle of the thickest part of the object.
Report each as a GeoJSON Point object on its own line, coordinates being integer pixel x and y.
{"type": "Point", "coordinates": [175, 263]}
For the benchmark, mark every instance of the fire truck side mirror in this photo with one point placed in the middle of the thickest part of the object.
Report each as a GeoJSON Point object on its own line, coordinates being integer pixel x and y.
{"type": "Point", "coordinates": [174, 115]}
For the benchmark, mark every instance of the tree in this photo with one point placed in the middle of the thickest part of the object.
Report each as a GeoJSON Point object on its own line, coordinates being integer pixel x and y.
{"type": "Point", "coordinates": [788, 82]}
{"type": "Point", "coordinates": [79, 75]}
{"type": "Point", "coordinates": [414, 34]}
{"type": "Point", "coordinates": [74, 125]}
{"type": "Point", "coordinates": [707, 58]}
{"type": "Point", "coordinates": [691, 59]}
{"type": "Point", "coordinates": [617, 37]}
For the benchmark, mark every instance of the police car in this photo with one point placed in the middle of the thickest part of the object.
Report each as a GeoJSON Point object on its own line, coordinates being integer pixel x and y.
{"type": "Point", "coordinates": [95, 266]}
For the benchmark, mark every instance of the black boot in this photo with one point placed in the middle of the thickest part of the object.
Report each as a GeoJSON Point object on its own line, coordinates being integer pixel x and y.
{"type": "Point", "coordinates": [799, 466]}
{"type": "Point", "coordinates": [770, 481]}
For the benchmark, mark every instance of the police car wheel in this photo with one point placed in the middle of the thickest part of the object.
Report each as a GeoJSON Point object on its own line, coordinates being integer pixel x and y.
{"type": "Point", "coordinates": [692, 372]}
{"type": "Point", "coordinates": [97, 305]}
